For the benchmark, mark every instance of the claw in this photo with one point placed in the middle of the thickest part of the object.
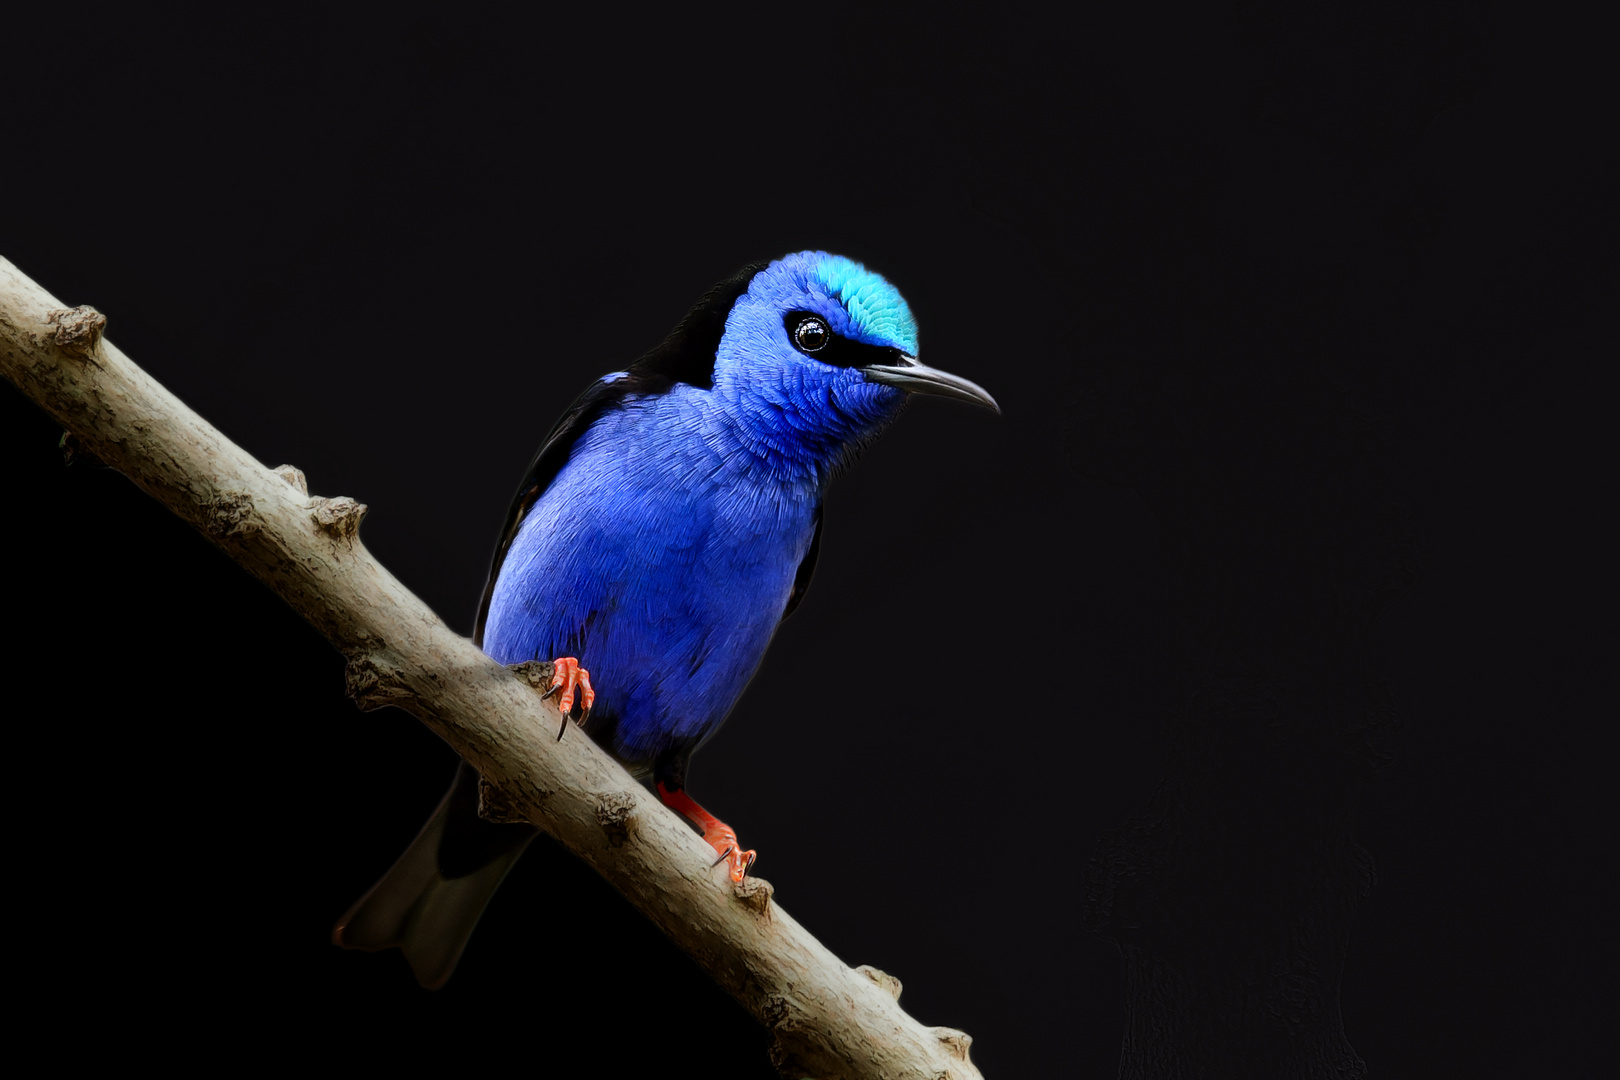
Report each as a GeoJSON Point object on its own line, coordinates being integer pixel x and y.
{"type": "Point", "coordinates": [724, 841]}
{"type": "Point", "coordinates": [569, 678]}
{"type": "Point", "coordinates": [741, 861]}
{"type": "Point", "coordinates": [717, 833]}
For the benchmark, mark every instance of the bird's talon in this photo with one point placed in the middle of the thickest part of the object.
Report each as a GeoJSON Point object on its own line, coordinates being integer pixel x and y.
{"type": "Point", "coordinates": [567, 680]}
{"type": "Point", "coordinates": [739, 860]}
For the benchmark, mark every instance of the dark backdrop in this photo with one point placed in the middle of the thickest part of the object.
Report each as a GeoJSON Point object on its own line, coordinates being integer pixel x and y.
{"type": "Point", "coordinates": [390, 251]}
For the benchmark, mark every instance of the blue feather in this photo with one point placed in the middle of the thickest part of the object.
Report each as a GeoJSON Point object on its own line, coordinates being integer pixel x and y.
{"type": "Point", "coordinates": [662, 556]}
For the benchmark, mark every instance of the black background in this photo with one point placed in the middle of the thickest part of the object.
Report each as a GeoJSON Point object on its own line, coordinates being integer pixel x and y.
{"type": "Point", "coordinates": [390, 251]}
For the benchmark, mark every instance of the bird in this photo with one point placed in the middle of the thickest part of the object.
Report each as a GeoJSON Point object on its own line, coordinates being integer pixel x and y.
{"type": "Point", "coordinates": [669, 522]}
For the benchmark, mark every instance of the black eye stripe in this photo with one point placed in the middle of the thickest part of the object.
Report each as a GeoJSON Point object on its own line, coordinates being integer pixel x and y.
{"type": "Point", "coordinates": [839, 351]}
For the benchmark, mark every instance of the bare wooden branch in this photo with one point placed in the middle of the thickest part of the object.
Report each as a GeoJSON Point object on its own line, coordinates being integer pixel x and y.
{"type": "Point", "coordinates": [829, 1020]}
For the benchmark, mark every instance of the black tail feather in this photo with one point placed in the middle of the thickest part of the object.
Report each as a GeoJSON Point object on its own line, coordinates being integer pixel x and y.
{"type": "Point", "coordinates": [430, 901]}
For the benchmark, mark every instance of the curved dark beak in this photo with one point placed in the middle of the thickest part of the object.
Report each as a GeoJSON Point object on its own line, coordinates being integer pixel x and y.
{"type": "Point", "coordinates": [918, 378]}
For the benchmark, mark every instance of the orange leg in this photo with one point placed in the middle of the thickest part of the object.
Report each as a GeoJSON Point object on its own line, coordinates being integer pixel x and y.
{"type": "Point", "coordinates": [719, 835]}
{"type": "Point", "coordinates": [568, 680]}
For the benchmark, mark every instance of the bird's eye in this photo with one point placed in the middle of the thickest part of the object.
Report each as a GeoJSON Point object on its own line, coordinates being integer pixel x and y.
{"type": "Point", "coordinates": [811, 334]}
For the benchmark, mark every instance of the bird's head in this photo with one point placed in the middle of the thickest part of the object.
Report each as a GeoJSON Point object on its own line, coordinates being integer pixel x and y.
{"type": "Point", "coordinates": [818, 350]}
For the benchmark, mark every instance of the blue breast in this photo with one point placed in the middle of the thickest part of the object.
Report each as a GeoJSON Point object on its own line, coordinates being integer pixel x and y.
{"type": "Point", "coordinates": [662, 556]}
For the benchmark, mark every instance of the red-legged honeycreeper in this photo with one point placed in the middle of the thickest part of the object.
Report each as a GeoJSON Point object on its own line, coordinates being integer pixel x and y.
{"type": "Point", "coordinates": [669, 522]}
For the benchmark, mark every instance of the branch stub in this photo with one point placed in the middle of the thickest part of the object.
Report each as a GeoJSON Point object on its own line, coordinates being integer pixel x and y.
{"type": "Point", "coordinates": [294, 476]}
{"type": "Point", "coordinates": [338, 518]}
{"type": "Point", "coordinates": [958, 1041]}
{"type": "Point", "coordinates": [888, 982]}
{"type": "Point", "coordinates": [77, 330]}
{"type": "Point", "coordinates": [755, 894]}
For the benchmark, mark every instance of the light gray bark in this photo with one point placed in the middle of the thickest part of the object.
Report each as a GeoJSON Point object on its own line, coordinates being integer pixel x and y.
{"type": "Point", "coordinates": [829, 1020]}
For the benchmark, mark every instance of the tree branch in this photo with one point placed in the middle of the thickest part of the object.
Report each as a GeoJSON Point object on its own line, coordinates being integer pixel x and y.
{"type": "Point", "coordinates": [828, 1020]}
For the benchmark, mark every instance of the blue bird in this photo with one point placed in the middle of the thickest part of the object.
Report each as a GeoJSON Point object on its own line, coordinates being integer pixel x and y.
{"type": "Point", "coordinates": [668, 524]}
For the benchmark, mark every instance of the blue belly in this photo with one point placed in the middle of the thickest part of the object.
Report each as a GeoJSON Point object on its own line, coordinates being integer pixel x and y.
{"type": "Point", "coordinates": [664, 571]}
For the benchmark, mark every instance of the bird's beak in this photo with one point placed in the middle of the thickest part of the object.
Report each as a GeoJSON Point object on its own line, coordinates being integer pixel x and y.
{"type": "Point", "coordinates": [918, 378]}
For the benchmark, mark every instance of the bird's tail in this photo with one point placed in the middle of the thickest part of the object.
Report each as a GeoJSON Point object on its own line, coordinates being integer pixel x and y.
{"type": "Point", "coordinates": [431, 899]}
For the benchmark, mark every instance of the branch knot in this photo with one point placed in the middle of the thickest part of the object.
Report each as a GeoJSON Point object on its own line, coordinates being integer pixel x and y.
{"type": "Point", "coordinates": [294, 476]}
{"type": "Point", "coordinates": [74, 452]}
{"type": "Point", "coordinates": [229, 513]}
{"type": "Point", "coordinates": [957, 1041]}
{"type": "Point", "coordinates": [494, 807]}
{"type": "Point", "coordinates": [338, 518]}
{"type": "Point", "coordinates": [374, 683]}
{"type": "Point", "coordinates": [613, 813]}
{"type": "Point", "coordinates": [888, 982]}
{"type": "Point", "coordinates": [537, 673]}
{"type": "Point", "coordinates": [755, 894]}
{"type": "Point", "coordinates": [77, 330]}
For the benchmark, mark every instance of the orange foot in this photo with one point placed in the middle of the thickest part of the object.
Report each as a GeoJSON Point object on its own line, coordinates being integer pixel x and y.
{"type": "Point", "coordinates": [720, 836]}
{"type": "Point", "coordinates": [569, 679]}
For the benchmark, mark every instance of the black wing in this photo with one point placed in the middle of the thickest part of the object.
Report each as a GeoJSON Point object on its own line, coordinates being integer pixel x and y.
{"type": "Point", "coordinates": [548, 462]}
{"type": "Point", "coordinates": [686, 355]}
{"type": "Point", "coordinates": [807, 567]}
